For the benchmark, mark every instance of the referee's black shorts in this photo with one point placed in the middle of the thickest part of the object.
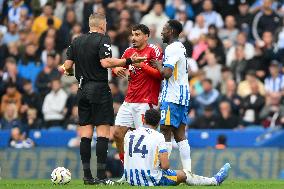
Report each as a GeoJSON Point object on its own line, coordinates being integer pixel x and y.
{"type": "Point", "coordinates": [95, 104]}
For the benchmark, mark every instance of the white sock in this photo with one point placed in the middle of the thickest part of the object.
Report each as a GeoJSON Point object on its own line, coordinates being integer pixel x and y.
{"type": "Point", "coordinates": [184, 151]}
{"type": "Point", "coordinates": [169, 148]}
{"type": "Point", "coordinates": [192, 179]}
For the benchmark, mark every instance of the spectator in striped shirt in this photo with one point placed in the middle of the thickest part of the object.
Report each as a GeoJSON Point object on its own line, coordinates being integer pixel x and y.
{"type": "Point", "coordinates": [274, 82]}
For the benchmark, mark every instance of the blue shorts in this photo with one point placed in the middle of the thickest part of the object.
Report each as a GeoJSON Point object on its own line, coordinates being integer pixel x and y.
{"type": "Point", "coordinates": [169, 178]}
{"type": "Point", "coordinates": [173, 114]}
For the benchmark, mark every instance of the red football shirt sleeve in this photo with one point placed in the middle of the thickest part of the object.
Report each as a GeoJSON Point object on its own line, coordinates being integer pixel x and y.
{"type": "Point", "coordinates": [125, 55]}
{"type": "Point", "coordinates": [155, 54]}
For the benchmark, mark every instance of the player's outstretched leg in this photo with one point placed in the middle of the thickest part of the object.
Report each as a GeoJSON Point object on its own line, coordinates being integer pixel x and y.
{"type": "Point", "coordinates": [192, 179]}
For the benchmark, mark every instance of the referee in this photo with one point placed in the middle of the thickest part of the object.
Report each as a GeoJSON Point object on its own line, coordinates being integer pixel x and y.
{"type": "Point", "coordinates": [91, 54]}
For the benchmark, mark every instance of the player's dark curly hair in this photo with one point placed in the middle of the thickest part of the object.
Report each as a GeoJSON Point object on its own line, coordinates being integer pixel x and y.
{"type": "Point", "coordinates": [176, 26]}
{"type": "Point", "coordinates": [152, 117]}
{"type": "Point", "coordinates": [143, 28]}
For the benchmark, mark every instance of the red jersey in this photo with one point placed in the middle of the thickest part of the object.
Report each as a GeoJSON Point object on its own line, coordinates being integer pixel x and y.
{"type": "Point", "coordinates": [143, 87]}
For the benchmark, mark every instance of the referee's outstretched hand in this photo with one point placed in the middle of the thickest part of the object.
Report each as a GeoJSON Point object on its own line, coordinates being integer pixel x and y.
{"type": "Point", "coordinates": [137, 59]}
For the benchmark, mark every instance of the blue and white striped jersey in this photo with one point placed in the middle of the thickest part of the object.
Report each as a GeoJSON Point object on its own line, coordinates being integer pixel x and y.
{"type": "Point", "coordinates": [176, 88]}
{"type": "Point", "coordinates": [141, 160]}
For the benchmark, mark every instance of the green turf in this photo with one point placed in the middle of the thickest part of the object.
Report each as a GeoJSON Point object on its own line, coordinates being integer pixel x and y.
{"type": "Point", "coordinates": [74, 184]}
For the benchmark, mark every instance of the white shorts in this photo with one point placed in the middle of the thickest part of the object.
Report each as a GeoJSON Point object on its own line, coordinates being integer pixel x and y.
{"type": "Point", "coordinates": [131, 114]}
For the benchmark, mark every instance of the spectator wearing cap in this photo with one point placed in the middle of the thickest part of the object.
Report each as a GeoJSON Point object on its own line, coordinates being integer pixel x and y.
{"type": "Point", "coordinates": [229, 33]}
{"type": "Point", "coordinates": [53, 107]}
{"type": "Point", "coordinates": [206, 121]}
{"type": "Point", "coordinates": [48, 73]}
{"type": "Point", "coordinates": [209, 97]}
{"type": "Point", "coordinates": [244, 88]}
{"type": "Point", "coordinates": [265, 20]}
{"type": "Point", "coordinates": [227, 120]}
{"type": "Point", "coordinates": [210, 15]}
{"type": "Point", "coordinates": [12, 34]}
{"type": "Point", "coordinates": [156, 17]}
{"type": "Point", "coordinates": [249, 50]}
{"type": "Point", "coordinates": [29, 65]}
{"type": "Point", "coordinates": [12, 95]}
{"type": "Point", "coordinates": [244, 18]}
{"type": "Point", "coordinates": [40, 23]}
{"type": "Point", "coordinates": [274, 82]}
{"type": "Point", "coordinates": [252, 105]}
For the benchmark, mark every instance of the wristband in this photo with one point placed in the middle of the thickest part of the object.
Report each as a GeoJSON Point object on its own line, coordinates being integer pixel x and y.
{"type": "Point", "coordinates": [128, 61]}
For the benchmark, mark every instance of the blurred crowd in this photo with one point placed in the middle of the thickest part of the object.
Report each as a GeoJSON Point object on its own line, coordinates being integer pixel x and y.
{"type": "Point", "coordinates": [236, 50]}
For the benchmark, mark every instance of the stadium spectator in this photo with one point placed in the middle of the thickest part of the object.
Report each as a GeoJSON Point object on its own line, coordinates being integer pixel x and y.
{"type": "Point", "coordinates": [198, 29]}
{"type": "Point", "coordinates": [3, 52]}
{"type": "Point", "coordinates": [15, 9]}
{"type": "Point", "coordinates": [212, 69]}
{"type": "Point", "coordinates": [49, 48]}
{"type": "Point", "coordinates": [63, 7]}
{"type": "Point", "coordinates": [209, 96]}
{"type": "Point", "coordinates": [274, 82]}
{"type": "Point", "coordinates": [175, 6]}
{"type": "Point", "coordinates": [229, 33]}
{"type": "Point", "coordinates": [216, 46]}
{"type": "Point", "coordinates": [252, 105]}
{"type": "Point", "coordinates": [10, 117]}
{"type": "Point", "coordinates": [210, 15]}
{"type": "Point", "coordinates": [248, 49]}
{"type": "Point", "coordinates": [30, 99]}
{"type": "Point", "coordinates": [244, 18]}
{"type": "Point", "coordinates": [206, 121]}
{"type": "Point", "coordinates": [221, 142]}
{"type": "Point", "coordinates": [71, 100]}
{"type": "Point", "coordinates": [232, 97]}
{"type": "Point", "coordinates": [49, 72]}
{"type": "Point", "coordinates": [226, 75]}
{"type": "Point", "coordinates": [31, 121]}
{"type": "Point", "coordinates": [239, 64]}
{"type": "Point", "coordinates": [244, 86]}
{"type": "Point", "coordinates": [12, 95]}
{"type": "Point", "coordinates": [29, 65]}
{"type": "Point", "coordinates": [272, 114]}
{"type": "Point", "coordinates": [12, 33]}
{"type": "Point", "coordinates": [186, 24]}
{"type": "Point", "coordinates": [53, 107]}
{"type": "Point", "coordinates": [156, 17]}
{"type": "Point", "coordinates": [64, 32]}
{"type": "Point", "coordinates": [265, 20]}
{"type": "Point", "coordinates": [13, 51]}
{"type": "Point", "coordinates": [40, 23]}
{"type": "Point", "coordinates": [257, 63]}
{"type": "Point", "coordinates": [227, 120]}
{"type": "Point", "coordinates": [10, 75]}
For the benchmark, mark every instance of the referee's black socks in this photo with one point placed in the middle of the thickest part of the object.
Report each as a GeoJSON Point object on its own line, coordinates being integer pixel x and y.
{"type": "Point", "coordinates": [85, 152]}
{"type": "Point", "coordinates": [101, 152]}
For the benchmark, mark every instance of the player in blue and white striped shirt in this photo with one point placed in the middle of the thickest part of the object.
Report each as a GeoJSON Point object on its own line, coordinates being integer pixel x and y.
{"type": "Point", "coordinates": [175, 93]}
{"type": "Point", "coordinates": [146, 161]}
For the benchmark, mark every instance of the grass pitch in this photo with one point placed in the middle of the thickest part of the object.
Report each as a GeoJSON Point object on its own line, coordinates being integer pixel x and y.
{"type": "Point", "coordinates": [78, 184]}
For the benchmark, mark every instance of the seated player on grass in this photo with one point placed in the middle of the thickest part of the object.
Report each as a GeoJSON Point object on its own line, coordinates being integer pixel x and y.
{"type": "Point", "coordinates": [146, 161]}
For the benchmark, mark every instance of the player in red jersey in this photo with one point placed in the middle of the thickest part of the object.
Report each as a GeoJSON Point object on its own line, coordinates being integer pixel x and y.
{"type": "Point", "coordinates": [143, 88]}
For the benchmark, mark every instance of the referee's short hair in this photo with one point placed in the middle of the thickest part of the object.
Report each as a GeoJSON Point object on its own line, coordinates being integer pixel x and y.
{"type": "Point", "coordinates": [176, 26]}
{"type": "Point", "coordinates": [152, 117]}
{"type": "Point", "coordinates": [143, 28]}
{"type": "Point", "coordinates": [95, 19]}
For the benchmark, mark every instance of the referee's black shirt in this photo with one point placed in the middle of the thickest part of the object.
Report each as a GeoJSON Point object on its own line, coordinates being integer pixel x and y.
{"type": "Point", "coordinates": [86, 51]}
